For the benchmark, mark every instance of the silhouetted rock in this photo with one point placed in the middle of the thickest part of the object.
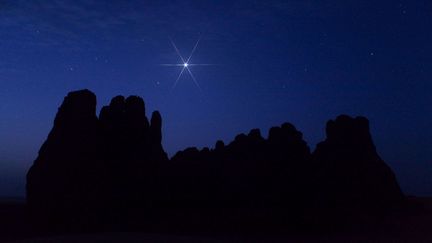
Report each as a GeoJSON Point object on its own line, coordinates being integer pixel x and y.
{"type": "Point", "coordinates": [157, 151]}
{"type": "Point", "coordinates": [92, 170]}
{"type": "Point", "coordinates": [351, 177]}
{"type": "Point", "coordinates": [63, 185]}
{"type": "Point", "coordinates": [219, 145]}
{"type": "Point", "coordinates": [113, 172]}
{"type": "Point", "coordinates": [251, 174]}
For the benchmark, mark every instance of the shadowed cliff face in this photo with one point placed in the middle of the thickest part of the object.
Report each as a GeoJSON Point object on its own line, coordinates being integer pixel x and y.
{"type": "Point", "coordinates": [88, 165]}
{"type": "Point", "coordinates": [349, 170]}
{"type": "Point", "coordinates": [66, 175]}
{"type": "Point", "coordinates": [251, 171]}
{"type": "Point", "coordinates": [112, 171]}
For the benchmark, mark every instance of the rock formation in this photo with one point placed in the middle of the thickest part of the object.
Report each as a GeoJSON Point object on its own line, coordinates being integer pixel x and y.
{"type": "Point", "coordinates": [350, 173]}
{"type": "Point", "coordinates": [89, 167]}
{"type": "Point", "coordinates": [112, 171]}
{"type": "Point", "coordinates": [67, 175]}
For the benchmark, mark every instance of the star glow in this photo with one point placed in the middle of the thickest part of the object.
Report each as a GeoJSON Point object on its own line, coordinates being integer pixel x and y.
{"type": "Point", "coordinates": [185, 64]}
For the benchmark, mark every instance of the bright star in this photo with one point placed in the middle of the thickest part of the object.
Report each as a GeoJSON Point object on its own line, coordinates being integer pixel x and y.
{"type": "Point", "coordinates": [185, 64]}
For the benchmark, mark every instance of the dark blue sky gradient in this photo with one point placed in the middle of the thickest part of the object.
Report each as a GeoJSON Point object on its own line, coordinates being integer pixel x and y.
{"type": "Point", "coordinates": [299, 61]}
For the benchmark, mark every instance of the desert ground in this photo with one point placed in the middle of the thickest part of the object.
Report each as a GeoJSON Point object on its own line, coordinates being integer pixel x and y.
{"type": "Point", "coordinates": [411, 224]}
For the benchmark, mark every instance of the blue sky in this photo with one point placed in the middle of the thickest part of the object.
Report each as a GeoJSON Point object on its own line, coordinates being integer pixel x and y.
{"type": "Point", "coordinates": [275, 61]}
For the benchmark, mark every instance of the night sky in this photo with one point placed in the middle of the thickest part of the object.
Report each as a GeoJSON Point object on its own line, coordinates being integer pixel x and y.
{"type": "Point", "coordinates": [273, 61]}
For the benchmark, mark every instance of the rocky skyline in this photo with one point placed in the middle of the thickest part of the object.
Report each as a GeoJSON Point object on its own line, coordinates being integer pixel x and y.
{"type": "Point", "coordinates": [112, 171]}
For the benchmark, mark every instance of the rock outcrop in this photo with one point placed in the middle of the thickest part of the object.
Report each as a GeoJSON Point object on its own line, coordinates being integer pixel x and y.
{"type": "Point", "coordinates": [350, 175]}
{"type": "Point", "coordinates": [251, 169]}
{"type": "Point", "coordinates": [67, 175]}
{"type": "Point", "coordinates": [94, 169]}
{"type": "Point", "coordinates": [112, 171]}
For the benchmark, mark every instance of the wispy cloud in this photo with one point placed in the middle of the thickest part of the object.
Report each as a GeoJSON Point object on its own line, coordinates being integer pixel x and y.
{"type": "Point", "coordinates": [63, 22]}
{"type": "Point", "coordinates": [70, 24]}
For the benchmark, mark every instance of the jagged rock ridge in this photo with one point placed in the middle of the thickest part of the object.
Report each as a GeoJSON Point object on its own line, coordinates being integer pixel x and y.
{"type": "Point", "coordinates": [112, 170]}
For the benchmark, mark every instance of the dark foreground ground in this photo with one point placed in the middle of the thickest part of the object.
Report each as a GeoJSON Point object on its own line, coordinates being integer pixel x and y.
{"type": "Point", "coordinates": [412, 224]}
